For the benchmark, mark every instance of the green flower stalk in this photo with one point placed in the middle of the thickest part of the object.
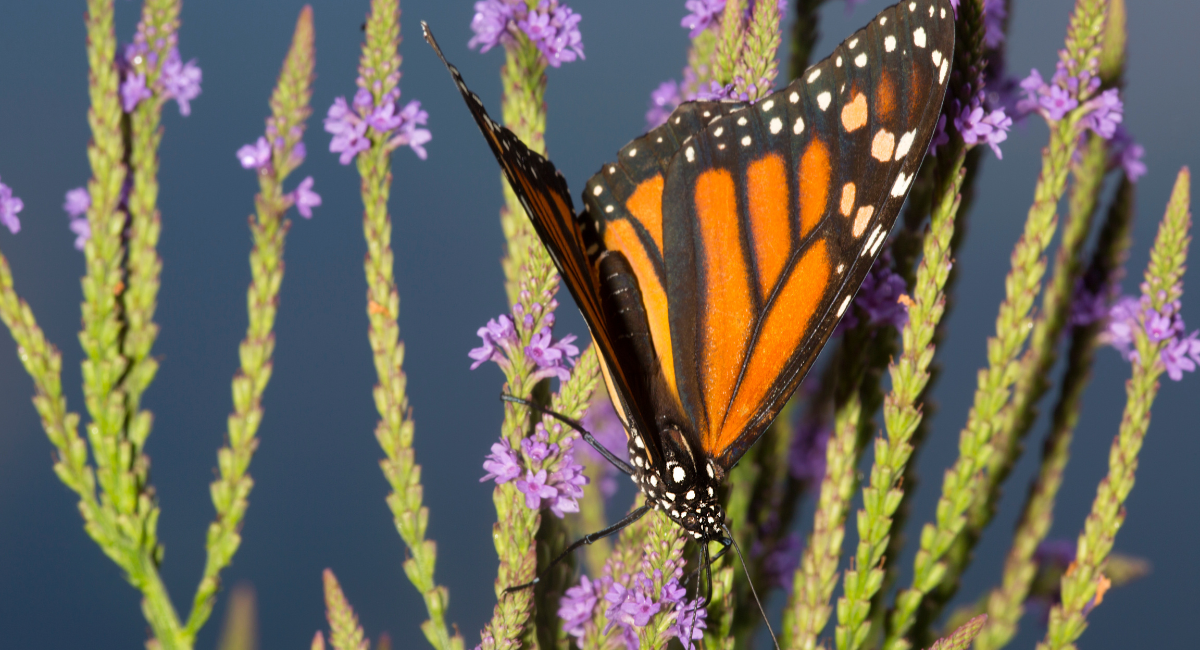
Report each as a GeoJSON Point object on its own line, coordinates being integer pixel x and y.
{"type": "Point", "coordinates": [289, 111]}
{"type": "Point", "coordinates": [157, 30]}
{"type": "Point", "coordinates": [963, 482]}
{"type": "Point", "coordinates": [961, 638]}
{"type": "Point", "coordinates": [809, 608]}
{"type": "Point", "coordinates": [1005, 603]}
{"type": "Point", "coordinates": [344, 631]}
{"type": "Point", "coordinates": [1017, 419]}
{"type": "Point", "coordinates": [909, 375]}
{"type": "Point", "coordinates": [378, 83]}
{"type": "Point", "coordinates": [1084, 582]}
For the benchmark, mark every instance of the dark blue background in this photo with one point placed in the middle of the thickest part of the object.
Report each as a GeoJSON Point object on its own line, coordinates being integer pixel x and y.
{"type": "Point", "coordinates": [318, 499]}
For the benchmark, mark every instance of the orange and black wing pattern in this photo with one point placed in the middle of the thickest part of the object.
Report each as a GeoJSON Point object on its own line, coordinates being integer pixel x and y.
{"type": "Point", "coordinates": [750, 227]}
{"type": "Point", "coordinates": [597, 279]}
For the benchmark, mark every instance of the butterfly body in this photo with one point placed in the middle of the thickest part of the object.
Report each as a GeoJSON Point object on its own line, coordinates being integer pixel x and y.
{"type": "Point", "coordinates": [715, 255]}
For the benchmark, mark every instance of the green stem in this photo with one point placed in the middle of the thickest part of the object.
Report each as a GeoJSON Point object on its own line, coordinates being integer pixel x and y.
{"type": "Point", "coordinates": [1083, 583]}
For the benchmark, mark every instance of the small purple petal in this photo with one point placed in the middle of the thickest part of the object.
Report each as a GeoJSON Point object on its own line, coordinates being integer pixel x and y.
{"type": "Point", "coordinates": [256, 155]}
{"type": "Point", "coordinates": [9, 207]}
{"type": "Point", "coordinates": [77, 202]}
{"type": "Point", "coordinates": [306, 199]}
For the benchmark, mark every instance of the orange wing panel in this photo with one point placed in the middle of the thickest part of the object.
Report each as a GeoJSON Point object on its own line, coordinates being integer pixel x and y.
{"type": "Point", "coordinates": [728, 312]}
{"type": "Point", "coordinates": [885, 97]}
{"type": "Point", "coordinates": [646, 204]}
{"type": "Point", "coordinates": [814, 185]}
{"type": "Point", "coordinates": [620, 236]}
{"type": "Point", "coordinates": [770, 227]}
{"type": "Point", "coordinates": [786, 326]}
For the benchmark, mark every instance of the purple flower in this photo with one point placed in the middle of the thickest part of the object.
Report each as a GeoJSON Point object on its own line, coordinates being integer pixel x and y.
{"type": "Point", "coordinates": [133, 91]}
{"type": "Point", "coordinates": [1126, 153]}
{"type": "Point", "coordinates": [940, 137]}
{"type": "Point", "coordinates": [499, 332]}
{"type": "Point", "coordinates": [879, 297]}
{"type": "Point", "coordinates": [1182, 355]}
{"type": "Point", "coordinates": [977, 126]}
{"type": "Point", "coordinates": [77, 202]}
{"type": "Point", "coordinates": [553, 359]}
{"type": "Point", "coordinates": [181, 81]}
{"type": "Point", "coordinates": [994, 14]}
{"type": "Point", "coordinates": [702, 13]}
{"type": "Point", "coordinates": [83, 232]}
{"type": "Point", "coordinates": [502, 464]}
{"type": "Point", "coordinates": [602, 422]}
{"type": "Point", "coordinates": [537, 448]}
{"type": "Point", "coordinates": [577, 604]}
{"type": "Point", "coordinates": [490, 23]}
{"type": "Point", "coordinates": [298, 154]}
{"type": "Point", "coordinates": [9, 207]}
{"type": "Point", "coordinates": [348, 129]}
{"type": "Point", "coordinates": [256, 155]}
{"type": "Point", "coordinates": [568, 481]}
{"type": "Point", "coordinates": [690, 622]}
{"type": "Point", "coordinates": [1057, 101]}
{"type": "Point", "coordinates": [1088, 307]}
{"type": "Point", "coordinates": [554, 29]}
{"type": "Point", "coordinates": [640, 607]}
{"type": "Point", "coordinates": [663, 100]}
{"type": "Point", "coordinates": [535, 488]}
{"type": "Point", "coordinates": [408, 133]}
{"type": "Point", "coordinates": [304, 198]}
{"type": "Point", "coordinates": [1056, 552]}
{"type": "Point", "coordinates": [1106, 114]}
{"type": "Point", "coordinates": [384, 117]}
{"type": "Point", "coordinates": [806, 458]}
{"type": "Point", "coordinates": [781, 561]}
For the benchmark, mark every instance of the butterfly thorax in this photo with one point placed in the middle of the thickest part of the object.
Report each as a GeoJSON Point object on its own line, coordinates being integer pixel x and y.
{"type": "Point", "coordinates": [680, 484]}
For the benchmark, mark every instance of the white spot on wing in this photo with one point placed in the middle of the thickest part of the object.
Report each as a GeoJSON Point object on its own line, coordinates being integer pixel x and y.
{"type": "Point", "coordinates": [906, 142]}
{"type": "Point", "coordinates": [690, 496]}
{"type": "Point", "coordinates": [883, 20]}
{"type": "Point", "coordinates": [798, 126]}
{"type": "Point", "coordinates": [878, 243]}
{"type": "Point", "coordinates": [931, 11]}
{"type": "Point", "coordinates": [768, 105]}
{"type": "Point", "coordinates": [919, 37]}
{"type": "Point", "coordinates": [633, 152]}
{"type": "Point", "coordinates": [853, 43]}
{"type": "Point", "coordinates": [597, 191]}
{"type": "Point", "coordinates": [742, 121]}
{"type": "Point", "coordinates": [794, 97]}
{"type": "Point", "coordinates": [860, 60]}
{"type": "Point", "coordinates": [823, 100]}
{"type": "Point", "coordinates": [943, 12]}
{"type": "Point", "coordinates": [844, 305]}
{"type": "Point", "coordinates": [718, 132]}
{"type": "Point", "coordinates": [901, 185]}
{"type": "Point", "coordinates": [691, 154]}
{"type": "Point", "coordinates": [840, 268]}
{"type": "Point", "coordinates": [912, 6]}
{"type": "Point", "coordinates": [838, 61]}
{"type": "Point", "coordinates": [746, 141]}
{"type": "Point", "coordinates": [942, 72]}
{"type": "Point", "coordinates": [937, 57]}
{"type": "Point", "coordinates": [776, 125]}
{"type": "Point", "coordinates": [889, 43]}
{"type": "Point", "coordinates": [812, 76]}
{"type": "Point", "coordinates": [608, 208]}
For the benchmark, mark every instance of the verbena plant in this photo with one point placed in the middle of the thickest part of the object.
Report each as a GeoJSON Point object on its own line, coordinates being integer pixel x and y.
{"type": "Point", "coordinates": [549, 488]}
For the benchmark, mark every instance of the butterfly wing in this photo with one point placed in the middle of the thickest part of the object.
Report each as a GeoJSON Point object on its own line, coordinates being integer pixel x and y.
{"type": "Point", "coordinates": [769, 217]}
{"type": "Point", "coordinates": [599, 280]}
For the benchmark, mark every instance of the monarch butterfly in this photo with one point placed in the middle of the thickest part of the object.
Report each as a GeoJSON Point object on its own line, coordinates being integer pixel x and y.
{"type": "Point", "coordinates": [714, 257]}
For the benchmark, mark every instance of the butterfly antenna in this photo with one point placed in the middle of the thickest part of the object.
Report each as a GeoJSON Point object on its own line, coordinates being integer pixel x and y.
{"type": "Point", "coordinates": [576, 425]}
{"type": "Point", "coordinates": [751, 583]}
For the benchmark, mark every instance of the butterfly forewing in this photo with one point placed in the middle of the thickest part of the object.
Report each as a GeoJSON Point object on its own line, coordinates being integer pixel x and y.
{"type": "Point", "coordinates": [771, 214]}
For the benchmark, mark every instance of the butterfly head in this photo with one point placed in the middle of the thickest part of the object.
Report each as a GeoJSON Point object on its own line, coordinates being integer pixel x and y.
{"type": "Point", "coordinates": [679, 483]}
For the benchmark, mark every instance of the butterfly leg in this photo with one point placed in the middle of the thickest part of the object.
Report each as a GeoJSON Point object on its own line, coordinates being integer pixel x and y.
{"type": "Point", "coordinates": [574, 424]}
{"type": "Point", "coordinates": [585, 541]}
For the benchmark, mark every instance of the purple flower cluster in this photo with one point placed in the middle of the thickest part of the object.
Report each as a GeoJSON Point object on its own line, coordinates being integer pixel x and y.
{"type": "Point", "coordinates": [1063, 93]}
{"type": "Point", "coordinates": [9, 207]}
{"type": "Point", "coordinates": [349, 123]}
{"type": "Point", "coordinates": [176, 80]}
{"type": "Point", "coordinates": [257, 155]}
{"type": "Point", "coordinates": [551, 478]}
{"type": "Point", "coordinates": [880, 298]}
{"type": "Point", "coordinates": [552, 26]}
{"type": "Point", "coordinates": [1088, 306]}
{"type": "Point", "coordinates": [630, 604]}
{"type": "Point", "coordinates": [1129, 315]}
{"type": "Point", "coordinates": [602, 422]}
{"type": "Point", "coordinates": [978, 125]}
{"type": "Point", "coordinates": [1126, 154]}
{"type": "Point", "coordinates": [76, 204]}
{"type": "Point", "coordinates": [701, 14]}
{"type": "Point", "coordinates": [501, 343]}
{"type": "Point", "coordinates": [806, 457]}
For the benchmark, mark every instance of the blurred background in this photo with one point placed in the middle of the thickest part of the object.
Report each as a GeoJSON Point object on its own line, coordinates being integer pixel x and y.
{"type": "Point", "coordinates": [318, 499]}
